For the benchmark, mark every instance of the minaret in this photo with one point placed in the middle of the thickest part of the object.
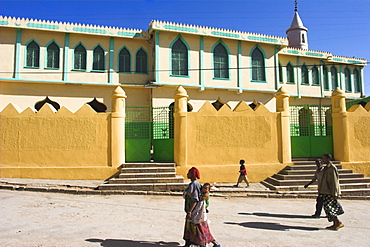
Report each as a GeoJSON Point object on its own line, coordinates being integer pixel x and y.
{"type": "Point", "coordinates": [297, 33]}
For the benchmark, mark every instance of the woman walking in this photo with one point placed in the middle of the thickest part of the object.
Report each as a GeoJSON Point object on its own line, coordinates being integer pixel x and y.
{"type": "Point", "coordinates": [196, 226]}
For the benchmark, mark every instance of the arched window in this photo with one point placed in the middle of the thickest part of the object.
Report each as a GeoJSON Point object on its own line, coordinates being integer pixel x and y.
{"type": "Point", "coordinates": [281, 73]}
{"type": "Point", "coordinates": [52, 56]}
{"type": "Point", "coordinates": [80, 57]}
{"type": "Point", "coordinates": [356, 81]}
{"type": "Point", "coordinates": [258, 65]}
{"type": "Point", "coordinates": [347, 80]}
{"type": "Point", "coordinates": [315, 76]}
{"type": "Point", "coordinates": [179, 58]}
{"type": "Point", "coordinates": [221, 62]}
{"type": "Point", "coordinates": [33, 55]}
{"type": "Point", "coordinates": [304, 75]}
{"type": "Point", "coordinates": [325, 77]}
{"type": "Point", "coordinates": [334, 78]}
{"type": "Point", "coordinates": [98, 58]}
{"type": "Point", "coordinates": [141, 62]}
{"type": "Point", "coordinates": [289, 73]}
{"type": "Point", "coordinates": [124, 62]}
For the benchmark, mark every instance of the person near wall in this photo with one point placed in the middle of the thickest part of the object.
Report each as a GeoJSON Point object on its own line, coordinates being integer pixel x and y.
{"type": "Point", "coordinates": [242, 174]}
{"type": "Point", "coordinates": [330, 190]}
{"type": "Point", "coordinates": [196, 230]}
{"type": "Point", "coordinates": [318, 176]}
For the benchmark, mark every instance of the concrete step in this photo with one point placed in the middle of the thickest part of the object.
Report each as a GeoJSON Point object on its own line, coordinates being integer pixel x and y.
{"type": "Point", "coordinates": [310, 176]}
{"type": "Point", "coordinates": [312, 172]}
{"type": "Point", "coordinates": [148, 169]}
{"type": "Point", "coordinates": [347, 186]}
{"type": "Point", "coordinates": [145, 187]}
{"type": "Point", "coordinates": [297, 163]}
{"type": "Point", "coordinates": [278, 182]}
{"type": "Point", "coordinates": [147, 175]}
{"type": "Point", "coordinates": [148, 180]}
{"type": "Point", "coordinates": [306, 167]}
{"type": "Point", "coordinates": [138, 165]}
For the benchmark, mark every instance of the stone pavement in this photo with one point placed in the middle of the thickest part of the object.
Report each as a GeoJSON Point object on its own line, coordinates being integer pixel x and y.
{"type": "Point", "coordinates": [59, 219]}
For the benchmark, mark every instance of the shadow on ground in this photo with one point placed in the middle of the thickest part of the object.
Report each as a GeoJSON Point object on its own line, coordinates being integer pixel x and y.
{"type": "Point", "coordinates": [272, 226]}
{"type": "Point", "coordinates": [289, 216]}
{"type": "Point", "coordinates": [130, 243]}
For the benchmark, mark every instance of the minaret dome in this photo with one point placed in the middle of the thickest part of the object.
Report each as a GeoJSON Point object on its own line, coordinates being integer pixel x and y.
{"type": "Point", "coordinates": [297, 33]}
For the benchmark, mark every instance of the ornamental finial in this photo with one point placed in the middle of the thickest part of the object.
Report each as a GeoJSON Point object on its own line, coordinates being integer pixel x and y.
{"type": "Point", "coordinates": [295, 5]}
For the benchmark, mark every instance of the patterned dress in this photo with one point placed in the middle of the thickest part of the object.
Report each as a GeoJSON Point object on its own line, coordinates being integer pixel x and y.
{"type": "Point", "coordinates": [196, 228]}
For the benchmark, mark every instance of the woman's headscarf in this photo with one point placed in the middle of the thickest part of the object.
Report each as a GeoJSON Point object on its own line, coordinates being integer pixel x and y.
{"type": "Point", "coordinates": [195, 172]}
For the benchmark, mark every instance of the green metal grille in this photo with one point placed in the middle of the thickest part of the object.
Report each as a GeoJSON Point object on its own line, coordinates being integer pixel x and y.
{"type": "Point", "coordinates": [162, 122]}
{"type": "Point", "coordinates": [311, 120]}
{"type": "Point", "coordinates": [138, 122]}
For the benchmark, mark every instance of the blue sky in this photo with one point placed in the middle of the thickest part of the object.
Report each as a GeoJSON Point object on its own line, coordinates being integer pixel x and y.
{"type": "Point", "coordinates": [337, 26]}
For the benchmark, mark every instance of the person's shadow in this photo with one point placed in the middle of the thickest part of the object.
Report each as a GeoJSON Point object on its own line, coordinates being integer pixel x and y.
{"type": "Point", "coordinates": [289, 216]}
{"type": "Point", "coordinates": [131, 243]}
{"type": "Point", "coordinates": [272, 226]}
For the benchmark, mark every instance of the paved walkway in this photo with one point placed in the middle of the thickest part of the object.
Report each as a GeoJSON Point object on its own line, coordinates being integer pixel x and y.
{"type": "Point", "coordinates": [57, 219]}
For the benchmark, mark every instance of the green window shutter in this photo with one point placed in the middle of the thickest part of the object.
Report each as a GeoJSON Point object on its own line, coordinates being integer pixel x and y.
{"type": "Point", "coordinates": [33, 55]}
{"type": "Point", "coordinates": [220, 62]}
{"type": "Point", "coordinates": [53, 56]}
{"type": "Point", "coordinates": [315, 76]}
{"type": "Point", "coordinates": [124, 61]}
{"type": "Point", "coordinates": [179, 59]}
{"type": "Point", "coordinates": [334, 78]}
{"type": "Point", "coordinates": [357, 81]}
{"type": "Point", "coordinates": [325, 78]}
{"type": "Point", "coordinates": [141, 62]}
{"type": "Point", "coordinates": [258, 66]}
{"type": "Point", "coordinates": [80, 57]}
{"type": "Point", "coordinates": [347, 80]}
{"type": "Point", "coordinates": [98, 59]}
{"type": "Point", "coordinates": [304, 75]}
{"type": "Point", "coordinates": [290, 73]}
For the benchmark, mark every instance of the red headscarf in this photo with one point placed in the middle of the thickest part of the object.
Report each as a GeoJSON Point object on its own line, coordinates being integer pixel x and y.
{"type": "Point", "coordinates": [195, 172]}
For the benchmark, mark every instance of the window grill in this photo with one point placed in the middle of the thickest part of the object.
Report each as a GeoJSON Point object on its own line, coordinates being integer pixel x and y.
{"type": "Point", "coordinates": [137, 122]}
{"type": "Point", "coordinates": [163, 122]}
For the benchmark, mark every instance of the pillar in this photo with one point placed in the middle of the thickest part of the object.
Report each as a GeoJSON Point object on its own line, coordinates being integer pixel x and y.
{"type": "Point", "coordinates": [340, 126]}
{"type": "Point", "coordinates": [282, 106]}
{"type": "Point", "coordinates": [180, 127]}
{"type": "Point", "coordinates": [118, 127]}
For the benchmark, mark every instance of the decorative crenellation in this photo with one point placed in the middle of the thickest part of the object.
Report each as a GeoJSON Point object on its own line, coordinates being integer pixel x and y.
{"type": "Point", "coordinates": [217, 32]}
{"type": "Point", "coordinates": [327, 56]}
{"type": "Point", "coordinates": [71, 27]}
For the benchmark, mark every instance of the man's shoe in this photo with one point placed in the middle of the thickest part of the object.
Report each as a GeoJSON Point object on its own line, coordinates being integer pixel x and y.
{"type": "Point", "coordinates": [315, 216]}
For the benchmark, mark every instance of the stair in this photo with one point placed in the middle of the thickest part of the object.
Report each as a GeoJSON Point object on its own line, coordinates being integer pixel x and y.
{"type": "Point", "coordinates": [292, 179]}
{"type": "Point", "coordinates": [146, 177]}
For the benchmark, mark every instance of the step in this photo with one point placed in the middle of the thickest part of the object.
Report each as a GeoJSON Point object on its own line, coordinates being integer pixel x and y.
{"type": "Point", "coordinates": [138, 165]}
{"type": "Point", "coordinates": [148, 180]}
{"type": "Point", "coordinates": [307, 167]}
{"type": "Point", "coordinates": [277, 182]}
{"type": "Point", "coordinates": [313, 187]}
{"type": "Point", "coordinates": [145, 187]}
{"type": "Point", "coordinates": [344, 192]}
{"type": "Point", "coordinates": [148, 170]}
{"type": "Point", "coordinates": [147, 175]}
{"type": "Point", "coordinates": [304, 172]}
{"type": "Point", "coordinates": [310, 176]}
{"type": "Point", "coordinates": [311, 162]}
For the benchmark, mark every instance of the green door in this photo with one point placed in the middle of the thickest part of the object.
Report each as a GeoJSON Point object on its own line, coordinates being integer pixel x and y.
{"type": "Point", "coordinates": [138, 134]}
{"type": "Point", "coordinates": [311, 130]}
{"type": "Point", "coordinates": [163, 124]}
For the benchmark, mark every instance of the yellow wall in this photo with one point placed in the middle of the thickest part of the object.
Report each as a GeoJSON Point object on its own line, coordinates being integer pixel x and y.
{"type": "Point", "coordinates": [61, 145]}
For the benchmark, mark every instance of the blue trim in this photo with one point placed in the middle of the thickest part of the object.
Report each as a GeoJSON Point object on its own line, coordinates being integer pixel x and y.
{"type": "Point", "coordinates": [239, 65]}
{"type": "Point", "coordinates": [340, 77]}
{"type": "Point", "coordinates": [46, 55]}
{"type": "Point", "coordinates": [68, 82]}
{"type": "Point", "coordinates": [299, 76]}
{"type": "Point", "coordinates": [276, 67]}
{"type": "Point", "coordinates": [201, 63]}
{"type": "Point", "coordinates": [156, 55]}
{"type": "Point", "coordinates": [228, 60]}
{"type": "Point", "coordinates": [111, 59]}
{"type": "Point", "coordinates": [66, 57]}
{"type": "Point", "coordinates": [17, 53]}
{"type": "Point", "coordinates": [73, 57]}
{"type": "Point", "coordinates": [118, 57]}
{"type": "Point", "coordinates": [264, 58]}
{"type": "Point", "coordinates": [25, 55]}
{"type": "Point", "coordinates": [147, 63]}
{"type": "Point", "coordinates": [188, 51]}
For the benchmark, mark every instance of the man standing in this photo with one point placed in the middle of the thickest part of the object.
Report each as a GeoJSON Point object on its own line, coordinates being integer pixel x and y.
{"type": "Point", "coordinates": [330, 190]}
{"type": "Point", "coordinates": [318, 176]}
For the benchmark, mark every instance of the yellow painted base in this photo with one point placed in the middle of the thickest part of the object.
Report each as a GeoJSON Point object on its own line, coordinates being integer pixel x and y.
{"type": "Point", "coordinates": [230, 173]}
{"type": "Point", "coordinates": [358, 167]}
{"type": "Point", "coordinates": [67, 173]}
